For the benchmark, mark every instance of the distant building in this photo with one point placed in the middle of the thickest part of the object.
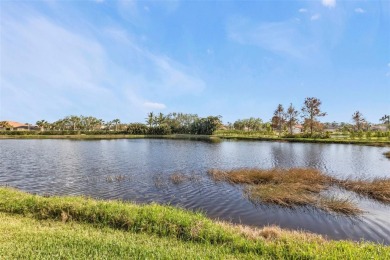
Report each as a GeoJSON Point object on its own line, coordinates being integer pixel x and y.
{"type": "Point", "coordinates": [379, 128]}
{"type": "Point", "coordinates": [16, 126]}
{"type": "Point", "coordinates": [297, 129]}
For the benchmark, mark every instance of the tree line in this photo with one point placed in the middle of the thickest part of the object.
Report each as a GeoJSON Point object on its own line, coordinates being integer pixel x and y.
{"type": "Point", "coordinates": [282, 121]}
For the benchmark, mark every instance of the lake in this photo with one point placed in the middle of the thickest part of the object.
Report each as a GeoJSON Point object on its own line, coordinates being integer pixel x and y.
{"type": "Point", "coordinates": [139, 170]}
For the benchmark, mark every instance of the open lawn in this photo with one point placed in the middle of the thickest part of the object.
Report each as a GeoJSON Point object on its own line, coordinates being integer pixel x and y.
{"type": "Point", "coordinates": [74, 227]}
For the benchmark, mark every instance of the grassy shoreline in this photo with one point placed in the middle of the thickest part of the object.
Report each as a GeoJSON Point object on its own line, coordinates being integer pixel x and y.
{"type": "Point", "coordinates": [379, 143]}
{"type": "Point", "coordinates": [74, 227]}
{"type": "Point", "coordinates": [216, 138]}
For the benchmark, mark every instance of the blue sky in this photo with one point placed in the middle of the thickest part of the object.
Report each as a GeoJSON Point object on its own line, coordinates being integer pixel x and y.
{"type": "Point", "coordinates": [238, 59]}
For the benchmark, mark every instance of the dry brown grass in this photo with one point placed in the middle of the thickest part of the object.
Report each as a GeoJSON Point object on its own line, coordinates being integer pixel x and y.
{"type": "Point", "coordinates": [272, 233]}
{"type": "Point", "coordinates": [378, 189]}
{"type": "Point", "coordinates": [177, 178]}
{"type": "Point", "coordinates": [288, 188]}
{"type": "Point", "coordinates": [287, 195]}
{"type": "Point", "coordinates": [344, 206]}
{"type": "Point", "coordinates": [307, 177]}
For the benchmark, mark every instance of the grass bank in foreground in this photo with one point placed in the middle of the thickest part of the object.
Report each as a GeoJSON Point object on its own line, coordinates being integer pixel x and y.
{"type": "Point", "coordinates": [74, 227]}
{"type": "Point", "coordinates": [303, 187]}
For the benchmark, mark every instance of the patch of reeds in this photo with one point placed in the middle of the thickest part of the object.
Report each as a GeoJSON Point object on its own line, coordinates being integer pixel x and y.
{"type": "Point", "coordinates": [288, 188]}
{"type": "Point", "coordinates": [387, 154]}
{"type": "Point", "coordinates": [115, 178]}
{"type": "Point", "coordinates": [343, 206]}
{"type": "Point", "coordinates": [377, 189]}
{"type": "Point", "coordinates": [177, 178]}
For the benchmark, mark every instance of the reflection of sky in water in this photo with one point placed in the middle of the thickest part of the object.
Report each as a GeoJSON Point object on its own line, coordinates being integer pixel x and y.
{"type": "Point", "coordinates": [85, 167]}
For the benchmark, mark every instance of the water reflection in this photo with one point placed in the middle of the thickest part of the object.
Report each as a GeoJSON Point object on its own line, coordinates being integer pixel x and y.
{"type": "Point", "coordinates": [67, 167]}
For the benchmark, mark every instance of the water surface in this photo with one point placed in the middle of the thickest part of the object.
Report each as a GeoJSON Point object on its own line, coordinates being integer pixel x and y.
{"type": "Point", "coordinates": [69, 167]}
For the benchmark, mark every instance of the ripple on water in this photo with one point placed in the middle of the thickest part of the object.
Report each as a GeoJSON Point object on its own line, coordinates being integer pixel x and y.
{"type": "Point", "coordinates": [63, 167]}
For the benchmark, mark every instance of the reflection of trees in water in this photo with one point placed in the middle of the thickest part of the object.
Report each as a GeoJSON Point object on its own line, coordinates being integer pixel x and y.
{"type": "Point", "coordinates": [283, 155]}
{"type": "Point", "coordinates": [287, 155]}
{"type": "Point", "coordinates": [314, 156]}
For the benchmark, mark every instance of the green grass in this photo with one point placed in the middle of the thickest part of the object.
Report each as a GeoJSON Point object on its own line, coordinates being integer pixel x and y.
{"type": "Point", "coordinates": [32, 226]}
{"type": "Point", "coordinates": [26, 238]}
{"type": "Point", "coordinates": [370, 142]}
{"type": "Point", "coordinates": [115, 136]}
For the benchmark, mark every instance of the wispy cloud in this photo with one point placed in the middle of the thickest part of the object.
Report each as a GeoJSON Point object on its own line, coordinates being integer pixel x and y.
{"type": "Point", "coordinates": [282, 38]}
{"type": "Point", "coordinates": [360, 10]}
{"type": "Point", "coordinates": [154, 106]}
{"type": "Point", "coordinates": [329, 3]}
{"type": "Point", "coordinates": [68, 72]}
{"type": "Point", "coordinates": [315, 17]}
{"type": "Point", "coordinates": [302, 10]}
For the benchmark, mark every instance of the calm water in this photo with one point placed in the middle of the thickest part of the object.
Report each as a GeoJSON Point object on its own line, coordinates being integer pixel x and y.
{"type": "Point", "coordinates": [66, 167]}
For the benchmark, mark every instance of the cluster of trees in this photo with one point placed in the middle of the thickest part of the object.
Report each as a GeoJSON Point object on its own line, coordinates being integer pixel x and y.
{"type": "Point", "coordinates": [251, 124]}
{"type": "Point", "coordinates": [181, 123]}
{"type": "Point", "coordinates": [77, 123]}
{"type": "Point", "coordinates": [156, 124]}
{"type": "Point", "coordinates": [287, 119]}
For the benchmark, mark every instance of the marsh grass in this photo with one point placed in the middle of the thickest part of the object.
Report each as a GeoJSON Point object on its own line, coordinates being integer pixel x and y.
{"type": "Point", "coordinates": [177, 178]}
{"type": "Point", "coordinates": [377, 189]}
{"type": "Point", "coordinates": [78, 228]}
{"type": "Point", "coordinates": [115, 178]}
{"type": "Point", "coordinates": [343, 206]}
{"type": "Point", "coordinates": [387, 154]}
{"type": "Point", "coordinates": [288, 188]}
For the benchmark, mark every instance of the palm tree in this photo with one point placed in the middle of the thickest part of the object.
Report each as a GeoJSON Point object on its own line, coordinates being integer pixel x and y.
{"type": "Point", "coordinates": [116, 122]}
{"type": "Point", "coordinates": [150, 119]}
{"type": "Point", "coordinates": [42, 124]}
{"type": "Point", "coordinates": [160, 119]}
{"type": "Point", "coordinates": [386, 120]}
{"type": "Point", "coordinates": [74, 121]}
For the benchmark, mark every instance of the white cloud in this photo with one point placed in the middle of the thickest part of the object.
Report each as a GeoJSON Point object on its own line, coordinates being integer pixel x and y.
{"type": "Point", "coordinates": [283, 38]}
{"type": "Point", "coordinates": [315, 17]}
{"type": "Point", "coordinates": [360, 10]}
{"type": "Point", "coordinates": [329, 3]}
{"type": "Point", "coordinates": [302, 10]}
{"type": "Point", "coordinates": [154, 105]}
{"type": "Point", "coordinates": [67, 72]}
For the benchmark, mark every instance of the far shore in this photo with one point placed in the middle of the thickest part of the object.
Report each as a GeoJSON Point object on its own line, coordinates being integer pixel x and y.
{"type": "Point", "coordinates": [372, 142]}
